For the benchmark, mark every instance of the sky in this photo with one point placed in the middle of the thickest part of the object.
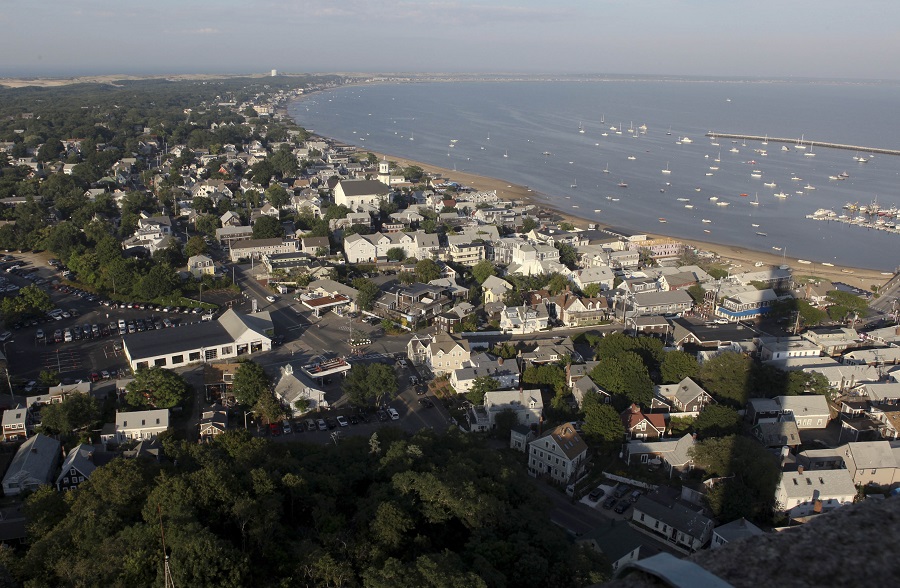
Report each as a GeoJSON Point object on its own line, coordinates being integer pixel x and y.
{"type": "Point", "coordinates": [719, 38]}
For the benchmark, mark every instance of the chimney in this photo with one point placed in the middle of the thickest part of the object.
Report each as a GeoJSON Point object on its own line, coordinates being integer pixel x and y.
{"type": "Point", "coordinates": [817, 506]}
{"type": "Point", "coordinates": [499, 361]}
{"type": "Point", "coordinates": [799, 469]}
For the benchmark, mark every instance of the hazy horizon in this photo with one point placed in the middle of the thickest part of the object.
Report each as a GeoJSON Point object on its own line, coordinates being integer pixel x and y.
{"type": "Point", "coordinates": [701, 38]}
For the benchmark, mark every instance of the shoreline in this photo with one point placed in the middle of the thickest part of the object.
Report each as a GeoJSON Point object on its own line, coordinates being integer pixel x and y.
{"type": "Point", "coordinates": [740, 258]}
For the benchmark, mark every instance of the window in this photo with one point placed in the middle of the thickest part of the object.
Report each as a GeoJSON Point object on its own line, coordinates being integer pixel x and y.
{"type": "Point", "coordinates": [195, 356]}
{"type": "Point", "coordinates": [176, 359]}
{"type": "Point", "coordinates": [226, 350]}
{"type": "Point", "coordinates": [161, 362]}
{"type": "Point", "coordinates": [211, 354]}
{"type": "Point", "coordinates": [656, 524]}
{"type": "Point", "coordinates": [642, 517]}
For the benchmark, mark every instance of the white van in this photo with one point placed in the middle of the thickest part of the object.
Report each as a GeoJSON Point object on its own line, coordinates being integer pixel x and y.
{"type": "Point", "coordinates": [122, 328]}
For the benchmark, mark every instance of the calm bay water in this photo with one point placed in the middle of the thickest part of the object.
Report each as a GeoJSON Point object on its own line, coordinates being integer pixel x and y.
{"type": "Point", "coordinates": [536, 126]}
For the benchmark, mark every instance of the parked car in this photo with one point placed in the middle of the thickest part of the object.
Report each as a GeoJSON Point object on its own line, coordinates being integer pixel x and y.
{"type": "Point", "coordinates": [271, 298]}
{"type": "Point", "coordinates": [274, 429]}
{"type": "Point", "coordinates": [633, 497]}
{"type": "Point", "coordinates": [622, 506]}
{"type": "Point", "coordinates": [610, 502]}
{"type": "Point", "coordinates": [426, 402]}
{"type": "Point", "coordinates": [395, 416]}
{"type": "Point", "coordinates": [596, 494]}
{"type": "Point", "coordinates": [332, 424]}
{"type": "Point", "coordinates": [622, 490]}
{"type": "Point", "coordinates": [342, 421]}
{"type": "Point", "coordinates": [286, 425]}
{"type": "Point", "coordinates": [311, 425]}
{"type": "Point", "coordinates": [323, 426]}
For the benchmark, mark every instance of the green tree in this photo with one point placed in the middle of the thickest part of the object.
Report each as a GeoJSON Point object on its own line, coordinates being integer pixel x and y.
{"type": "Point", "coordinates": [591, 290]}
{"type": "Point", "coordinates": [76, 413]}
{"type": "Point", "coordinates": [727, 377]}
{"type": "Point", "coordinates": [568, 255]}
{"type": "Point", "coordinates": [754, 471]}
{"type": "Point", "coordinates": [480, 386]}
{"type": "Point", "coordinates": [528, 224]}
{"type": "Point", "coordinates": [207, 224]}
{"type": "Point", "coordinates": [156, 387]}
{"type": "Point", "coordinates": [195, 246]}
{"type": "Point", "coordinates": [277, 196]}
{"type": "Point", "coordinates": [697, 293]}
{"type": "Point", "coordinates": [396, 254]}
{"type": "Point", "coordinates": [678, 365]}
{"type": "Point", "coordinates": [267, 227]}
{"type": "Point", "coordinates": [250, 383]}
{"type": "Point", "coordinates": [160, 281]}
{"type": "Point", "coordinates": [626, 377]}
{"type": "Point", "coordinates": [367, 292]}
{"type": "Point", "coordinates": [370, 382]}
{"type": "Point", "coordinates": [482, 270]}
{"type": "Point", "coordinates": [513, 298]}
{"type": "Point", "coordinates": [716, 420]}
{"type": "Point", "coordinates": [557, 284]}
{"type": "Point", "coordinates": [427, 270]}
{"type": "Point", "coordinates": [601, 421]}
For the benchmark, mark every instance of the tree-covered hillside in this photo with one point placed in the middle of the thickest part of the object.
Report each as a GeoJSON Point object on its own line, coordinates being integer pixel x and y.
{"type": "Point", "coordinates": [389, 511]}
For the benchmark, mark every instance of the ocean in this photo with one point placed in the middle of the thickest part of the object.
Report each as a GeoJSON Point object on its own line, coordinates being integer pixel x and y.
{"type": "Point", "coordinates": [530, 133]}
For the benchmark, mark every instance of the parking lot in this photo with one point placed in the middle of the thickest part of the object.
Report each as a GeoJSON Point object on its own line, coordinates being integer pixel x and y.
{"type": "Point", "coordinates": [82, 335]}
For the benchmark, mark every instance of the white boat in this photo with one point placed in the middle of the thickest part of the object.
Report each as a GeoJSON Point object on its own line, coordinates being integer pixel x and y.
{"type": "Point", "coordinates": [683, 199]}
{"type": "Point", "coordinates": [769, 184]}
{"type": "Point", "coordinates": [631, 157]}
{"type": "Point", "coordinates": [800, 144]}
{"type": "Point", "coordinates": [713, 198]}
{"type": "Point", "coordinates": [761, 234]}
{"type": "Point", "coordinates": [827, 264]}
{"type": "Point", "coordinates": [623, 185]}
{"type": "Point", "coordinates": [666, 171]}
{"type": "Point", "coordinates": [804, 262]}
{"type": "Point", "coordinates": [735, 150]}
{"type": "Point", "coordinates": [574, 184]}
{"type": "Point", "coordinates": [721, 203]}
{"type": "Point", "coordinates": [755, 201]}
{"type": "Point", "coordinates": [755, 226]}
{"type": "Point", "coordinates": [765, 140]}
{"type": "Point", "coordinates": [505, 153]}
{"type": "Point", "coordinates": [705, 220]}
{"type": "Point", "coordinates": [718, 157]}
{"type": "Point", "coordinates": [707, 231]}
{"type": "Point", "coordinates": [755, 175]}
{"type": "Point", "coordinates": [709, 173]}
{"type": "Point", "coordinates": [777, 248]}
{"type": "Point", "coordinates": [796, 178]}
{"type": "Point", "coordinates": [863, 160]}
{"type": "Point", "coordinates": [697, 189]}
{"type": "Point", "coordinates": [689, 206]}
{"type": "Point", "coordinates": [686, 140]}
{"type": "Point", "coordinates": [714, 167]}
{"type": "Point", "coordinates": [606, 169]}
{"type": "Point", "coordinates": [580, 128]}
{"type": "Point", "coordinates": [597, 210]}
{"type": "Point", "coordinates": [759, 264]}
{"type": "Point", "coordinates": [784, 148]}
{"type": "Point", "coordinates": [662, 220]}
{"type": "Point", "coordinates": [810, 152]}
{"type": "Point", "coordinates": [780, 195]}
{"type": "Point", "coordinates": [669, 132]}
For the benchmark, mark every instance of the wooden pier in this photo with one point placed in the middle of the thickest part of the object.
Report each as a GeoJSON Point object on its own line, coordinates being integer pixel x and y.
{"type": "Point", "coordinates": [806, 142]}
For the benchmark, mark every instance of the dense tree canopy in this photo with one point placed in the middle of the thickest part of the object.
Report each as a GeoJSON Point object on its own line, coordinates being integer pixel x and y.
{"type": "Point", "coordinates": [424, 511]}
{"type": "Point", "coordinates": [601, 421]}
{"type": "Point", "coordinates": [367, 383]}
{"type": "Point", "coordinates": [250, 383]}
{"type": "Point", "coordinates": [367, 293]}
{"type": "Point", "coordinates": [728, 378]}
{"type": "Point", "coordinates": [155, 387]}
{"type": "Point", "coordinates": [625, 377]}
{"type": "Point", "coordinates": [677, 365]}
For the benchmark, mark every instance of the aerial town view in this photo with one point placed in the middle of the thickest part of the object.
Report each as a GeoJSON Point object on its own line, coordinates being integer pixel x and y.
{"type": "Point", "coordinates": [504, 303]}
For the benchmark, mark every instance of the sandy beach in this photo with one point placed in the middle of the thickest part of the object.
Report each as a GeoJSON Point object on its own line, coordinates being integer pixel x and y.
{"type": "Point", "coordinates": [741, 258]}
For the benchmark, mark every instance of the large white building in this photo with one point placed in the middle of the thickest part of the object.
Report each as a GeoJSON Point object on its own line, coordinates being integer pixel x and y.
{"type": "Point", "coordinates": [560, 454]}
{"type": "Point", "coordinates": [357, 194]}
{"type": "Point", "coordinates": [803, 493]}
{"type": "Point", "coordinates": [137, 425]}
{"type": "Point", "coordinates": [231, 335]}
